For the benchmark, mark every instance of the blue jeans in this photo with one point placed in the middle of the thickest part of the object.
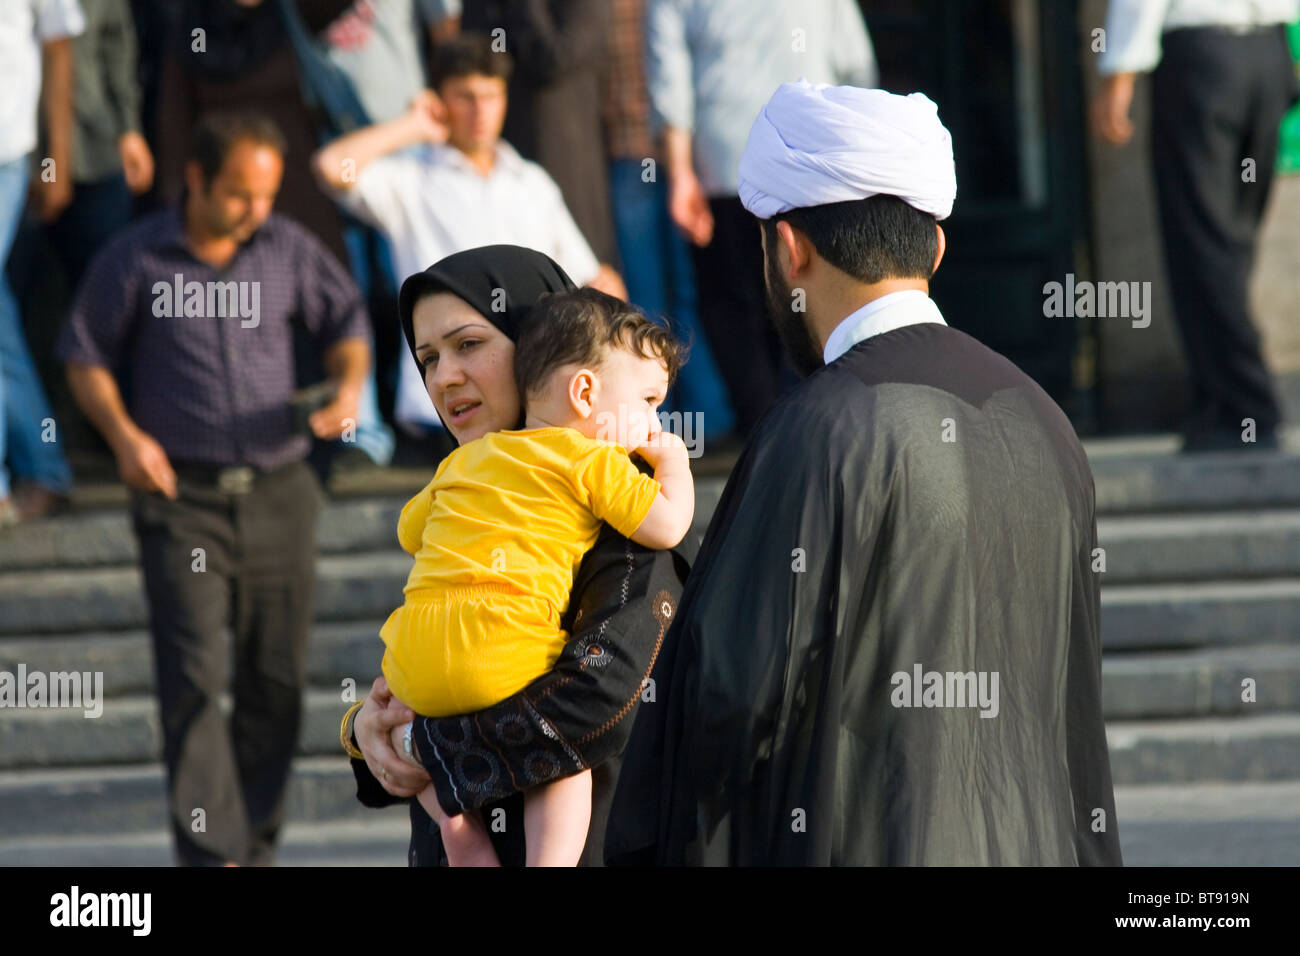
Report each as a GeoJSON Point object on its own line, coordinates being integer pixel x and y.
{"type": "Point", "coordinates": [661, 280]}
{"type": "Point", "coordinates": [24, 410]}
{"type": "Point", "coordinates": [373, 436]}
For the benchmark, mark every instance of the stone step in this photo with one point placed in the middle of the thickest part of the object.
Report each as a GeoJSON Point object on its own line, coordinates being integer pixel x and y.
{"type": "Point", "coordinates": [102, 538]}
{"type": "Point", "coordinates": [1260, 748]}
{"type": "Point", "coordinates": [1145, 475]}
{"type": "Point", "coordinates": [128, 732]}
{"type": "Point", "coordinates": [124, 799]}
{"type": "Point", "coordinates": [380, 841]}
{"type": "Point", "coordinates": [1210, 824]}
{"type": "Point", "coordinates": [1215, 824]}
{"type": "Point", "coordinates": [1129, 481]}
{"type": "Point", "coordinates": [43, 803]}
{"type": "Point", "coordinates": [352, 586]}
{"type": "Point", "coordinates": [1199, 614]}
{"type": "Point", "coordinates": [1173, 683]}
{"type": "Point", "coordinates": [1200, 546]}
{"type": "Point", "coordinates": [338, 651]}
{"type": "Point", "coordinates": [1200, 683]}
{"type": "Point", "coordinates": [1140, 454]}
{"type": "Point", "coordinates": [358, 586]}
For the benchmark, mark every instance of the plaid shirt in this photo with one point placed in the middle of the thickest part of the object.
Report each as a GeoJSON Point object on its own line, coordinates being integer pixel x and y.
{"type": "Point", "coordinates": [210, 367]}
{"type": "Point", "coordinates": [627, 102]}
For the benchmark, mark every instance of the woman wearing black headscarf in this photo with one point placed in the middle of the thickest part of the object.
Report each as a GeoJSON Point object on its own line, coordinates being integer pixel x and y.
{"type": "Point", "coordinates": [470, 306]}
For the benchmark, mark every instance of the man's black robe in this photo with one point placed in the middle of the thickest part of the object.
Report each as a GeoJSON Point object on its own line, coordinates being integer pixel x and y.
{"type": "Point", "coordinates": [919, 502]}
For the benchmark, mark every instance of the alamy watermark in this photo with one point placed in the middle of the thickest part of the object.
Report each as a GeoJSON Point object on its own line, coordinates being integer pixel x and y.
{"type": "Point", "coordinates": [688, 426]}
{"type": "Point", "coordinates": [1102, 300]}
{"type": "Point", "coordinates": [922, 688]}
{"type": "Point", "coordinates": [82, 690]}
{"type": "Point", "coordinates": [217, 300]}
{"type": "Point", "coordinates": [77, 909]}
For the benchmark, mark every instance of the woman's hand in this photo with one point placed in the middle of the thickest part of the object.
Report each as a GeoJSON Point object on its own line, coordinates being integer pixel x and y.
{"type": "Point", "coordinates": [373, 725]}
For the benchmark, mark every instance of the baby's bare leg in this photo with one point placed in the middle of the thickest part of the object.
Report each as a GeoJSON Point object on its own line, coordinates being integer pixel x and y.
{"type": "Point", "coordinates": [464, 838]}
{"type": "Point", "coordinates": [556, 817]}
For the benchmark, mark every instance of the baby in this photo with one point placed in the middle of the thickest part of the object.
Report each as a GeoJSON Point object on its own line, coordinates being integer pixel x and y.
{"type": "Point", "coordinates": [499, 532]}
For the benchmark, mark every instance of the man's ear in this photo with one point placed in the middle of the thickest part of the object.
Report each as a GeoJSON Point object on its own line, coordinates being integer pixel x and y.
{"type": "Point", "coordinates": [798, 250]}
{"type": "Point", "coordinates": [943, 246]}
{"type": "Point", "coordinates": [582, 392]}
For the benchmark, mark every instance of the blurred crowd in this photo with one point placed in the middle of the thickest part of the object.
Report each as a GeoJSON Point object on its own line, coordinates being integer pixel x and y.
{"type": "Point", "coordinates": [603, 133]}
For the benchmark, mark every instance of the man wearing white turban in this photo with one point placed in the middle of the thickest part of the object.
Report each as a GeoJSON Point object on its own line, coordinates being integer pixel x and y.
{"type": "Point", "coordinates": [817, 144]}
{"type": "Point", "coordinates": [887, 651]}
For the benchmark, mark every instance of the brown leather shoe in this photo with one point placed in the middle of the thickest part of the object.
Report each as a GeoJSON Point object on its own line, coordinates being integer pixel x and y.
{"type": "Point", "coordinates": [8, 514]}
{"type": "Point", "coordinates": [35, 502]}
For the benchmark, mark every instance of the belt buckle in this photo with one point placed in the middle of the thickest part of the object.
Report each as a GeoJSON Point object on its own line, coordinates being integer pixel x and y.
{"type": "Point", "coordinates": [235, 481]}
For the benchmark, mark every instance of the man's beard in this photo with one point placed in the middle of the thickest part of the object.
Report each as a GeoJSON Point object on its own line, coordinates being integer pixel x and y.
{"type": "Point", "coordinates": [791, 327]}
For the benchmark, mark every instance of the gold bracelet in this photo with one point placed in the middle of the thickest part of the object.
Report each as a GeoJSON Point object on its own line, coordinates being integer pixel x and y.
{"type": "Point", "coordinates": [345, 732]}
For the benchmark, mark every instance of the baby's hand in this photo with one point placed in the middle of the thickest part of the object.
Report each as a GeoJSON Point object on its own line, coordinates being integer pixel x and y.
{"type": "Point", "coordinates": [663, 446]}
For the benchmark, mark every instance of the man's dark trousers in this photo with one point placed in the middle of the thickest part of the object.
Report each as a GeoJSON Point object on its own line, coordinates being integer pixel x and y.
{"type": "Point", "coordinates": [733, 313]}
{"type": "Point", "coordinates": [1217, 100]}
{"type": "Point", "coordinates": [254, 576]}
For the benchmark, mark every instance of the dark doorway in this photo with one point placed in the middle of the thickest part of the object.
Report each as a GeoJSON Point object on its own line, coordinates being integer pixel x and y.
{"type": "Point", "coordinates": [1005, 74]}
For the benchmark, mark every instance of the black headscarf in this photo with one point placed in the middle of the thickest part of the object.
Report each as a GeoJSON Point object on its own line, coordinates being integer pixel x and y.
{"type": "Point", "coordinates": [476, 275]}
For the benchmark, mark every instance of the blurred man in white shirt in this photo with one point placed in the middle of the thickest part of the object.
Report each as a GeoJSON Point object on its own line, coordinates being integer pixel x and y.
{"type": "Point", "coordinates": [439, 179]}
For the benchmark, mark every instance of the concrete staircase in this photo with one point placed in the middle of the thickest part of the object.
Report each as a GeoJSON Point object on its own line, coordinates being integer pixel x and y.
{"type": "Point", "coordinates": [1201, 591]}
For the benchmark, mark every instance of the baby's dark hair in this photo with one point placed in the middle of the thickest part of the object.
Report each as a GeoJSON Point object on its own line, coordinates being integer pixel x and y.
{"type": "Point", "coordinates": [577, 326]}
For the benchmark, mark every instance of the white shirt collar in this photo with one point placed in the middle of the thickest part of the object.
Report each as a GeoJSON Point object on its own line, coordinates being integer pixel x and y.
{"type": "Point", "coordinates": [507, 158]}
{"type": "Point", "coordinates": [889, 312]}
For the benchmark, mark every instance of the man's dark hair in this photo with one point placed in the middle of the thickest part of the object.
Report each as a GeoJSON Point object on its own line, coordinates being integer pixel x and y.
{"type": "Point", "coordinates": [216, 134]}
{"type": "Point", "coordinates": [880, 237]}
{"type": "Point", "coordinates": [469, 54]}
{"type": "Point", "coordinates": [577, 327]}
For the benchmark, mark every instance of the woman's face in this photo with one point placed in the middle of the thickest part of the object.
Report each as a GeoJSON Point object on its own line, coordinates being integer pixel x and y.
{"type": "Point", "coordinates": [468, 366]}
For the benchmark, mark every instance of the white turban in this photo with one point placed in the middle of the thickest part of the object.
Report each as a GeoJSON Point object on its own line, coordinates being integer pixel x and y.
{"type": "Point", "coordinates": [818, 144]}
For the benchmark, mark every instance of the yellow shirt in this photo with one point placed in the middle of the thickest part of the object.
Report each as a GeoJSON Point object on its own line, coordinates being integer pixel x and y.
{"type": "Point", "coordinates": [511, 513]}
